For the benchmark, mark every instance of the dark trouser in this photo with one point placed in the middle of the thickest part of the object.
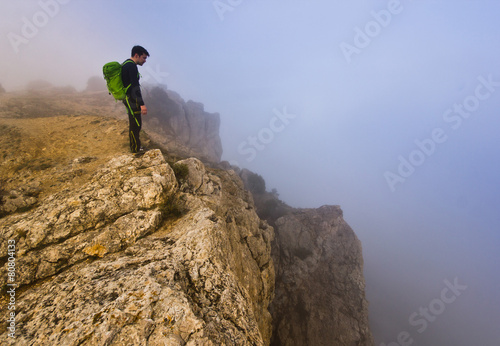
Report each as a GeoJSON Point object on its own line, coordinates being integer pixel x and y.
{"type": "Point", "coordinates": [135, 124]}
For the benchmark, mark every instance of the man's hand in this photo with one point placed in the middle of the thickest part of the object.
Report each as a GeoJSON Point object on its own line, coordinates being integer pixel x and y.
{"type": "Point", "coordinates": [144, 110]}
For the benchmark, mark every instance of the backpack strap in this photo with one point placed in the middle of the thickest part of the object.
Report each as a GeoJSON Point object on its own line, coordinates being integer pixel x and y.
{"type": "Point", "coordinates": [128, 86]}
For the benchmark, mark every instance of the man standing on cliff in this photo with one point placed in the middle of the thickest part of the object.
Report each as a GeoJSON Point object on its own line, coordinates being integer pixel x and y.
{"type": "Point", "coordinates": [133, 101]}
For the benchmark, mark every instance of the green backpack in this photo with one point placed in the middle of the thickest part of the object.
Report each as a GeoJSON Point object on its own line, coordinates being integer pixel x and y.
{"type": "Point", "coordinates": [112, 72]}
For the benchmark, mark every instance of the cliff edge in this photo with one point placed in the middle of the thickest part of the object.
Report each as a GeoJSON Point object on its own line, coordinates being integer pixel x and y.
{"type": "Point", "coordinates": [102, 247]}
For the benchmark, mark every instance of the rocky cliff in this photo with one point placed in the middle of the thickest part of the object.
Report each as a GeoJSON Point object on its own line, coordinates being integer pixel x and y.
{"type": "Point", "coordinates": [320, 288]}
{"type": "Point", "coordinates": [184, 126]}
{"type": "Point", "coordinates": [112, 248]}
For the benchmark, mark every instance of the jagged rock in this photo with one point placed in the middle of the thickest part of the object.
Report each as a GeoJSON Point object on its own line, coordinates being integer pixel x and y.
{"type": "Point", "coordinates": [53, 235]}
{"type": "Point", "coordinates": [102, 264]}
{"type": "Point", "coordinates": [320, 288]}
{"type": "Point", "coordinates": [198, 180]}
{"type": "Point", "coordinates": [183, 126]}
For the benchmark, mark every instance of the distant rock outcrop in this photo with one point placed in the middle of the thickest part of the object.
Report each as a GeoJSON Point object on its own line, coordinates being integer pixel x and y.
{"type": "Point", "coordinates": [320, 288]}
{"type": "Point", "coordinates": [96, 83]}
{"type": "Point", "coordinates": [182, 125]}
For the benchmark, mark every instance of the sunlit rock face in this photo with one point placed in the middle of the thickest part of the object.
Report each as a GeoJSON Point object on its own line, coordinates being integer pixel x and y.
{"type": "Point", "coordinates": [139, 256]}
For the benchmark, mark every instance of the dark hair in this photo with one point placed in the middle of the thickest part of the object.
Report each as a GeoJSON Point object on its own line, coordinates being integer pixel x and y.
{"type": "Point", "coordinates": [139, 50]}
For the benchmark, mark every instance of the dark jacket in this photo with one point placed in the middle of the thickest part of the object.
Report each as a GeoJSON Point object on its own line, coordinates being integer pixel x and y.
{"type": "Point", "coordinates": [131, 76]}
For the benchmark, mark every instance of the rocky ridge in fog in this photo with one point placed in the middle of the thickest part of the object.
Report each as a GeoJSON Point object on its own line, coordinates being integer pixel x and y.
{"type": "Point", "coordinates": [117, 249]}
{"type": "Point", "coordinates": [320, 287]}
{"type": "Point", "coordinates": [184, 126]}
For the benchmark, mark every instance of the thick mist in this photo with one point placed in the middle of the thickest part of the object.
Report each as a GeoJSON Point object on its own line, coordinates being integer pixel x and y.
{"type": "Point", "coordinates": [388, 108]}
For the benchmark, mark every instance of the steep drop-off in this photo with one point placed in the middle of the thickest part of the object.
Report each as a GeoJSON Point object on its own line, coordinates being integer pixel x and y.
{"type": "Point", "coordinates": [320, 288]}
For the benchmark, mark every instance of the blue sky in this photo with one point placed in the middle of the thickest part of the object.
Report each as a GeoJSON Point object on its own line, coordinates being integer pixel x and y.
{"type": "Point", "coordinates": [348, 120]}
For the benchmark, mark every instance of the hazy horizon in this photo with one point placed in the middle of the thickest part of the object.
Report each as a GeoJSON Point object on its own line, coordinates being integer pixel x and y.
{"type": "Point", "coordinates": [386, 108]}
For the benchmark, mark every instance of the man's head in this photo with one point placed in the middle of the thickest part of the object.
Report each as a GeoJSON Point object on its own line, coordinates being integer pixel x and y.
{"type": "Point", "coordinates": [139, 55]}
